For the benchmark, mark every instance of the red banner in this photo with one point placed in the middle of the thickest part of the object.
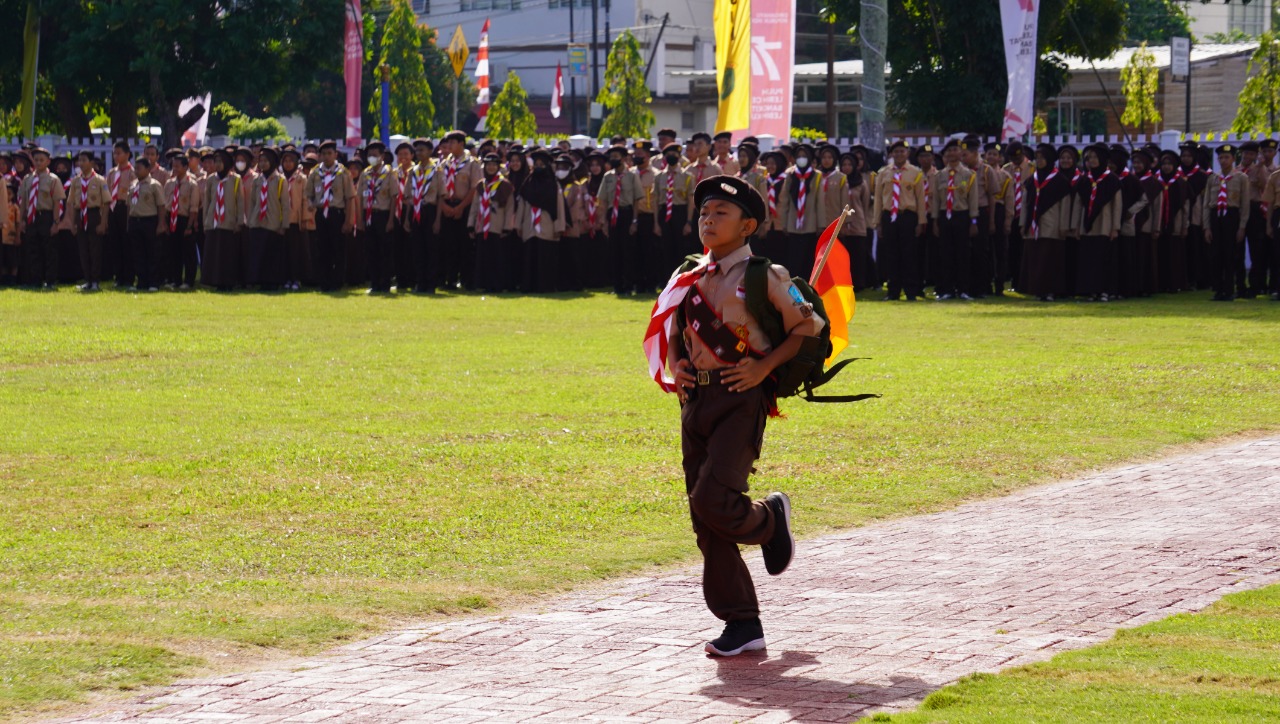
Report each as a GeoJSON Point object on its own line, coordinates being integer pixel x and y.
{"type": "Point", "coordinates": [773, 32]}
{"type": "Point", "coordinates": [354, 68]}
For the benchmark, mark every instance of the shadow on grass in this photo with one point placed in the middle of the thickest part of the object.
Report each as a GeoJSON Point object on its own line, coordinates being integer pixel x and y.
{"type": "Point", "coordinates": [758, 681]}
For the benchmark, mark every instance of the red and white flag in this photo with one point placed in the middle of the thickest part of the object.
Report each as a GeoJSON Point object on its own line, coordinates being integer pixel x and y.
{"type": "Point", "coordinates": [353, 68]}
{"type": "Point", "coordinates": [557, 94]}
{"type": "Point", "coordinates": [482, 77]}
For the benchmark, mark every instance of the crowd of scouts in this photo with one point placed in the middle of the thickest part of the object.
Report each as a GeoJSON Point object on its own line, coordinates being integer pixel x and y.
{"type": "Point", "coordinates": [969, 219]}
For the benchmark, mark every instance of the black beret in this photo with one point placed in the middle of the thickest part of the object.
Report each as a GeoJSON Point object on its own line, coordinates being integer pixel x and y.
{"type": "Point", "coordinates": [897, 144]}
{"type": "Point", "coordinates": [643, 145]}
{"type": "Point", "coordinates": [244, 151]}
{"type": "Point", "coordinates": [1100, 150]}
{"type": "Point", "coordinates": [750, 149]}
{"type": "Point", "coordinates": [458, 136]}
{"type": "Point", "coordinates": [290, 151]}
{"type": "Point", "coordinates": [1171, 154]}
{"type": "Point", "coordinates": [701, 135]}
{"type": "Point", "coordinates": [725, 135]}
{"type": "Point", "coordinates": [174, 152]}
{"type": "Point", "coordinates": [1249, 146]}
{"type": "Point", "coordinates": [1048, 151]}
{"type": "Point", "coordinates": [673, 146]}
{"type": "Point", "coordinates": [543, 154]}
{"type": "Point", "coordinates": [992, 146]}
{"type": "Point", "coordinates": [40, 151]}
{"type": "Point", "coordinates": [733, 190]}
{"type": "Point", "coordinates": [404, 145]}
{"type": "Point", "coordinates": [1015, 147]}
{"type": "Point", "coordinates": [803, 147]}
{"type": "Point", "coordinates": [1226, 148]}
{"type": "Point", "coordinates": [1118, 152]}
{"type": "Point", "coordinates": [953, 143]}
{"type": "Point", "coordinates": [271, 155]}
{"type": "Point", "coordinates": [61, 160]}
{"type": "Point", "coordinates": [329, 144]}
{"type": "Point", "coordinates": [355, 161]}
{"type": "Point", "coordinates": [310, 159]}
{"type": "Point", "coordinates": [566, 160]}
{"type": "Point", "coordinates": [617, 149]}
{"type": "Point", "coordinates": [491, 158]}
{"type": "Point", "coordinates": [667, 133]}
{"type": "Point", "coordinates": [375, 144]}
{"type": "Point", "coordinates": [1071, 150]}
{"type": "Point", "coordinates": [750, 139]}
{"type": "Point", "coordinates": [423, 142]}
{"type": "Point", "coordinates": [969, 144]}
{"type": "Point", "coordinates": [1270, 143]}
{"type": "Point", "coordinates": [144, 161]}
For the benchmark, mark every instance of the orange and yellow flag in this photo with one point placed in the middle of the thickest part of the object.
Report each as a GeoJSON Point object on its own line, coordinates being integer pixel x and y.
{"type": "Point", "coordinates": [832, 279]}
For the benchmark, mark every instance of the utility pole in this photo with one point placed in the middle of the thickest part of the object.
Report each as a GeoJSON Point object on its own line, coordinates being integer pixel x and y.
{"type": "Point", "coordinates": [873, 35]}
{"type": "Point", "coordinates": [573, 79]}
{"type": "Point", "coordinates": [831, 77]}
{"type": "Point", "coordinates": [595, 58]}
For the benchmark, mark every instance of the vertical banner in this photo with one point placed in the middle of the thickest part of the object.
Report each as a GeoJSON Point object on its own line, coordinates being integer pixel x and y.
{"type": "Point", "coordinates": [732, 20]}
{"type": "Point", "coordinates": [353, 70]}
{"type": "Point", "coordinates": [194, 135]}
{"type": "Point", "coordinates": [773, 32]}
{"type": "Point", "coordinates": [1019, 19]}
{"type": "Point", "coordinates": [30, 65]}
{"type": "Point", "coordinates": [482, 79]}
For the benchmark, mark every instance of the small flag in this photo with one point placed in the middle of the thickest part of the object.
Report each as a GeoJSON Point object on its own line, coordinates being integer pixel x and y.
{"type": "Point", "coordinates": [557, 93]}
{"type": "Point", "coordinates": [482, 77]}
{"type": "Point", "coordinates": [832, 279]}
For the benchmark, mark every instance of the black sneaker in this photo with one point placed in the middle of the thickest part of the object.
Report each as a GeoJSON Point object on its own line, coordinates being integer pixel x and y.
{"type": "Point", "coordinates": [738, 636]}
{"type": "Point", "coordinates": [779, 550]}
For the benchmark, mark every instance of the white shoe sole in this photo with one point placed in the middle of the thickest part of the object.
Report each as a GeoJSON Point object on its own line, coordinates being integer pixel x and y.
{"type": "Point", "coordinates": [753, 645]}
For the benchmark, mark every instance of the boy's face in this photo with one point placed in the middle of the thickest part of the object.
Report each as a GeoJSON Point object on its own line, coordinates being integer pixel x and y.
{"type": "Point", "coordinates": [698, 148]}
{"type": "Point", "coordinates": [722, 146]}
{"type": "Point", "coordinates": [142, 171]}
{"type": "Point", "coordinates": [41, 162]}
{"type": "Point", "coordinates": [120, 156]}
{"type": "Point", "coordinates": [1248, 157]}
{"type": "Point", "coordinates": [423, 153]}
{"type": "Point", "coordinates": [329, 155]}
{"type": "Point", "coordinates": [723, 226]}
{"type": "Point", "coordinates": [86, 165]}
{"type": "Point", "coordinates": [210, 165]}
{"type": "Point", "coordinates": [900, 155]}
{"type": "Point", "coordinates": [970, 157]}
{"type": "Point", "coordinates": [993, 158]}
{"type": "Point", "coordinates": [1226, 160]}
{"type": "Point", "coordinates": [404, 156]}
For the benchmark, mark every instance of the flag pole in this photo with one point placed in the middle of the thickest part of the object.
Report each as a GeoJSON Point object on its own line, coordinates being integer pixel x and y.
{"type": "Point", "coordinates": [826, 251]}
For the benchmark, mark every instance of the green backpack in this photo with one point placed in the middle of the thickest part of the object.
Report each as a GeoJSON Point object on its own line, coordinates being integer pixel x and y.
{"type": "Point", "coordinates": [806, 371]}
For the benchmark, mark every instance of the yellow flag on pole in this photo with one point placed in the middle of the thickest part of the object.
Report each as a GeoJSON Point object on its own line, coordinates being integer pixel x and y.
{"type": "Point", "coordinates": [733, 63]}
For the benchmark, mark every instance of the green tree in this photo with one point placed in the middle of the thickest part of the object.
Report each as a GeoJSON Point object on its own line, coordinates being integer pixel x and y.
{"type": "Point", "coordinates": [624, 93]}
{"type": "Point", "coordinates": [1155, 21]}
{"type": "Point", "coordinates": [509, 116]}
{"type": "Point", "coordinates": [440, 76]}
{"type": "Point", "coordinates": [244, 128]}
{"type": "Point", "coordinates": [1260, 98]}
{"type": "Point", "coordinates": [939, 46]}
{"type": "Point", "coordinates": [412, 111]}
{"type": "Point", "coordinates": [1139, 80]}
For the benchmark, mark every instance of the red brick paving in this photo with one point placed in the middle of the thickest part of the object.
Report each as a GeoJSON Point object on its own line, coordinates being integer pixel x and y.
{"type": "Point", "coordinates": [870, 619]}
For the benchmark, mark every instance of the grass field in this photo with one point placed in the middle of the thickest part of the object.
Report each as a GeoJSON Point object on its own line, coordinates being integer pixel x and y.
{"type": "Point", "coordinates": [1219, 665]}
{"type": "Point", "coordinates": [193, 479]}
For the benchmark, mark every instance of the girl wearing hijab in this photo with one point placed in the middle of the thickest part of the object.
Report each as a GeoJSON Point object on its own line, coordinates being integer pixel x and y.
{"type": "Point", "coordinates": [1098, 194]}
{"type": "Point", "coordinates": [1069, 166]}
{"type": "Point", "coordinates": [1171, 224]}
{"type": "Point", "coordinates": [854, 230]}
{"type": "Point", "coordinates": [803, 210]}
{"type": "Point", "coordinates": [267, 217]}
{"type": "Point", "coordinates": [221, 269]}
{"type": "Point", "coordinates": [540, 221]}
{"type": "Point", "coordinates": [1046, 222]}
{"type": "Point", "coordinates": [489, 223]}
{"type": "Point", "coordinates": [772, 242]}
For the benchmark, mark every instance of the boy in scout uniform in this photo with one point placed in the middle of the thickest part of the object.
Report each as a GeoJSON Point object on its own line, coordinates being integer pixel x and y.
{"type": "Point", "coordinates": [221, 263]}
{"type": "Point", "coordinates": [420, 213]}
{"type": "Point", "coordinates": [672, 198]}
{"type": "Point", "coordinates": [619, 192]}
{"type": "Point", "coordinates": [267, 220]}
{"type": "Point", "coordinates": [722, 148]}
{"type": "Point", "coordinates": [1271, 202]}
{"type": "Point", "coordinates": [701, 167]}
{"type": "Point", "coordinates": [1259, 246]}
{"type": "Point", "coordinates": [297, 250]}
{"type": "Point", "coordinates": [649, 266]}
{"type": "Point", "coordinates": [988, 180]}
{"type": "Point", "coordinates": [378, 192]}
{"type": "Point", "coordinates": [454, 192]}
{"type": "Point", "coordinates": [146, 199]}
{"type": "Point", "coordinates": [86, 216]}
{"type": "Point", "coordinates": [181, 218]}
{"type": "Point", "coordinates": [39, 196]}
{"type": "Point", "coordinates": [116, 254]}
{"type": "Point", "coordinates": [721, 361]}
{"type": "Point", "coordinates": [1226, 211]}
{"type": "Point", "coordinates": [1019, 169]}
{"type": "Point", "coordinates": [330, 196]}
{"type": "Point", "coordinates": [955, 200]}
{"type": "Point", "coordinates": [1001, 221]}
{"type": "Point", "coordinates": [897, 214]}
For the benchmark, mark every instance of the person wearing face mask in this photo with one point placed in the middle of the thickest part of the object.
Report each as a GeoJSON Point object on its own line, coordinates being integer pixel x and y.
{"type": "Point", "coordinates": [330, 197]}
{"type": "Point", "coordinates": [540, 221]}
{"type": "Point", "coordinates": [619, 192]}
{"type": "Point", "coordinates": [803, 212]}
{"type": "Point", "coordinates": [246, 166]}
{"type": "Point", "coordinates": [378, 193]}
{"type": "Point", "coordinates": [1046, 221]}
{"type": "Point", "coordinates": [672, 194]}
{"type": "Point", "coordinates": [1101, 208]}
{"type": "Point", "coordinates": [572, 248]}
{"type": "Point", "coordinates": [649, 262]}
{"type": "Point", "coordinates": [489, 223]}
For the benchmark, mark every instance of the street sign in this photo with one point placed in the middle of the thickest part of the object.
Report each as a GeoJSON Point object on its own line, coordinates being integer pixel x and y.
{"type": "Point", "coordinates": [458, 51]}
{"type": "Point", "coordinates": [577, 60]}
{"type": "Point", "coordinates": [1180, 57]}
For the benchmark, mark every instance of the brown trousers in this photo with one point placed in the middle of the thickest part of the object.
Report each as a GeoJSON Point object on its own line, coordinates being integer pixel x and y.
{"type": "Point", "coordinates": [721, 433]}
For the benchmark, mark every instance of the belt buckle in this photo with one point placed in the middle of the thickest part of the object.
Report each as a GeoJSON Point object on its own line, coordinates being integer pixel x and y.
{"type": "Point", "coordinates": [704, 377]}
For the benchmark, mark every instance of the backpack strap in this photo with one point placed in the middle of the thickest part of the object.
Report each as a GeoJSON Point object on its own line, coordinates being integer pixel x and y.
{"type": "Point", "coordinates": [826, 377]}
{"type": "Point", "coordinates": [758, 304]}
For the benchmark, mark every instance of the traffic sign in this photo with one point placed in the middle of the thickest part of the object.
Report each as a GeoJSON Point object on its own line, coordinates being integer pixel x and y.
{"type": "Point", "coordinates": [458, 51]}
{"type": "Point", "coordinates": [1180, 57]}
{"type": "Point", "coordinates": [577, 60]}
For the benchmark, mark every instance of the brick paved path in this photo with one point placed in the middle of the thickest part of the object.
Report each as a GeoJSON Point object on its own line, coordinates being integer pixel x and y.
{"type": "Point", "coordinates": [870, 619]}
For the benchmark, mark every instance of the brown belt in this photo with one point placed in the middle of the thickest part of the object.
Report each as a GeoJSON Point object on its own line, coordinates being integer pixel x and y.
{"type": "Point", "coordinates": [710, 377]}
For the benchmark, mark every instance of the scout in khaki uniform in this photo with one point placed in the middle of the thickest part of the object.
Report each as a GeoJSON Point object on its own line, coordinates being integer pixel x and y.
{"type": "Point", "coordinates": [1226, 211]}
{"type": "Point", "coordinates": [297, 250]}
{"type": "Point", "coordinates": [1019, 169]}
{"type": "Point", "coordinates": [853, 232]}
{"type": "Point", "coordinates": [420, 213]}
{"type": "Point", "coordinates": [721, 361]}
{"type": "Point", "coordinates": [220, 266]}
{"type": "Point", "coordinates": [152, 154]}
{"type": "Point", "coordinates": [378, 192]}
{"type": "Point", "coordinates": [802, 213]}
{"type": "Point", "coordinates": [772, 238]}
{"type": "Point", "coordinates": [181, 217]}
{"type": "Point", "coordinates": [540, 221]}
{"type": "Point", "coordinates": [722, 154]}
{"type": "Point", "coordinates": [1271, 205]}
{"type": "Point", "coordinates": [331, 197]}
{"type": "Point", "coordinates": [1101, 208]}
{"type": "Point", "coordinates": [268, 218]}
{"type": "Point", "coordinates": [574, 251]}
{"type": "Point", "coordinates": [1256, 242]}
{"type": "Point", "coordinates": [454, 192]}
{"type": "Point", "coordinates": [955, 199]}
{"type": "Point", "coordinates": [39, 196]}
{"type": "Point", "coordinates": [831, 187]}
{"type": "Point", "coordinates": [489, 221]}
{"type": "Point", "coordinates": [86, 218]}
{"type": "Point", "coordinates": [619, 192]}
{"type": "Point", "coordinates": [701, 167]}
{"type": "Point", "coordinates": [9, 237]}
{"type": "Point", "coordinates": [981, 262]}
{"type": "Point", "coordinates": [898, 215]}
{"type": "Point", "coordinates": [406, 269]}
{"type": "Point", "coordinates": [672, 198]}
{"type": "Point", "coordinates": [650, 265]}
{"type": "Point", "coordinates": [993, 154]}
{"type": "Point", "coordinates": [116, 254]}
{"type": "Point", "coordinates": [146, 200]}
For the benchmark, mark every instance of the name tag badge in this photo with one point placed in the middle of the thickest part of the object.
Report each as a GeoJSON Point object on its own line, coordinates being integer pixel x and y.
{"type": "Point", "coordinates": [741, 292]}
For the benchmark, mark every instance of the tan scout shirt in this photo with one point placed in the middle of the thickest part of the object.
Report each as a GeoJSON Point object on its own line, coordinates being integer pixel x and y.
{"type": "Point", "coordinates": [342, 190]}
{"type": "Point", "coordinates": [94, 188]}
{"type": "Point", "coordinates": [911, 192]}
{"type": "Point", "coordinates": [188, 195]}
{"type": "Point", "coordinates": [1271, 195]}
{"type": "Point", "coordinates": [1018, 175]}
{"type": "Point", "coordinates": [1178, 217]}
{"type": "Point", "coordinates": [299, 214]}
{"type": "Point", "coordinates": [277, 203]}
{"type": "Point", "coordinates": [119, 179]}
{"type": "Point", "coordinates": [146, 198]}
{"type": "Point", "coordinates": [728, 165]}
{"type": "Point", "coordinates": [966, 195]}
{"type": "Point", "coordinates": [380, 187]}
{"type": "Point", "coordinates": [859, 200]}
{"type": "Point", "coordinates": [631, 191]}
{"type": "Point", "coordinates": [1258, 174]}
{"type": "Point", "coordinates": [1107, 222]}
{"type": "Point", "coordinates": [551, 230]}
{"type": "Point", "coordinates": [1238, 189]}
{"type": "Point", "coordinates": [230, 187]}
{"type": "Point", "coordinates": [831, 197]}
{"type": "Point", "coordinates": [500, 220]}
{"type": "Point", "coordinates": [704, 170]}
{"type": "Point", "coordinates": [645, 202]}
{"type": "Point", "coordinates": [48, 193]}
{"type": "Point", "coordinates": [681, 185]}
{"type": "Point", "coordinates": [812, 210]}
{"type": "Point", "coordinates": [724, 289]}
{"type": "Point", "coordinates": [575, 205]}
{"type": "Point", "coordinates": [465, 171]}
{"type": "Point", "coordinates": [417, 191]}
{"type": "Point", "coordinates": [160, 174]}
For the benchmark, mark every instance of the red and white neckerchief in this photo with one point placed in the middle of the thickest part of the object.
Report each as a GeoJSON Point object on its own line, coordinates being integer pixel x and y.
{"type": "Point", "coordinates": [1017, 191]}
{"type": "Point", "coordinates": [84, 199]}
{"type": "Point", "coordinates": [115, 182]}
{"type": "Point", "coordinates": [262, 200]}
{"type": "Point", "coordinates": [662, 322]}
{"type": "Point", "coordinates": [774, 183]}
{"type": "Point", "coordinates": [536, 214]}
{"type": "Point", "coordinates": [924, 177]}
{"type": "Point", "coordinates": [951, 191]}
{"type": "Point", "coordinates": [220, 204]}
{"type": "Point", "coordinates": [592, 205]}
{"type": "Point", "coordinates": [486, 205]}
{"type": "Point", "coordinates": [173, 206]}
{"type": "Point", "coordinates": [671, 193]}
{"type": "Point", "coordinates": [617, 199]}
{"type": "Point", "coordinates": [33, 197]}
{"type": "Point", "coordinates": [897, 193]}
{"type": "Point", "coordinates": [1164, 196]}
{"type": "Point", "coordinates": [1222, 193]}
{"type": "Point", "coordinates": [451, 169]}
{"type": "Point", "coordinates": [1093, 190]}
{"type": "Point", "coordinates": [66, 194]}
{"type": "Point", "coordinates": [326, 187]}
{"type": "Point", "coordinates": [133, 193]}
{"type": "Point", "coordinates": [702, 168]}
{"type": "Point", "coordinates": [420, 184]}
{"type": "Point", "coordinates": [402, 176]}
{"type": "Point", "coordinates": [371, 190]}
{"type": "Point", "coordinates": [802, 198]}
{"type": "Point", "coordinates": [1035, 208]}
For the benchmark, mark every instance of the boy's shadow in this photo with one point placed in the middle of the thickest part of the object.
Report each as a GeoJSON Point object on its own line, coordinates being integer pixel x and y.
{"type": "Point", "coordinates": [757, 681]}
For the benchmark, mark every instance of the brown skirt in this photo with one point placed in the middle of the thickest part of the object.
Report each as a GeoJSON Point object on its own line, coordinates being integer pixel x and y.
{"type": "Point", "coordinates": [1043, 266]}
{"type": "Point", "coordinates": [221, 258]}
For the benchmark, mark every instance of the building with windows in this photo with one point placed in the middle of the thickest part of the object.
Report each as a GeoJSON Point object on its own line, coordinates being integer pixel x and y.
{"type": "Point", "coordinates": [1252, 19]}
